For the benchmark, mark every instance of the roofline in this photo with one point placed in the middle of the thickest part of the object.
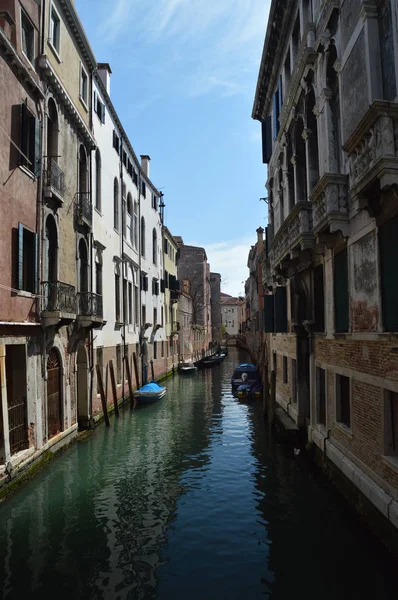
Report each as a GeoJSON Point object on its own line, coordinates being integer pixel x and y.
{"type": "Point", "coordinates": [167, 231]}
{"type": "Point", "coordinates": [78, 30]}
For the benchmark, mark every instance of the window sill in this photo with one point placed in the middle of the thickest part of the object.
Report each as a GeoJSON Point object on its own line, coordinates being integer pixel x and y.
{"type": "Point", "coordinates": [345, 429]}
{"type": "Point", "coordinates": [391, 461]}
{"type": "Point", "coordinates": [27, 172]}
{"type": "Point", "coordinates": [116, 231]}
{"type": "Point", "coordinates": [31, 62]}
{"type": "Point", "coordinates": [98, 211]}
{"type": "Point", "coordinates": [55, 51]}
{"type": "Point", "coordinates": [83, 102]}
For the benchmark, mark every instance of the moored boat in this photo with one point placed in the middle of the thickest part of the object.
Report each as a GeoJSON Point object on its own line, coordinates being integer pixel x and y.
{"type": "Point", "coordinates": [249, 369]}
{"type": "Point", "coordinates": [186, 368]}
{"type": "Point", "coordinates": [150, 392]}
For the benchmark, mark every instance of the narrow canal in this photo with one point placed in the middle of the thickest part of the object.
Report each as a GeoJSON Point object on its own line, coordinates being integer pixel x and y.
{"type": "Point", "coordinates": [188, 498]}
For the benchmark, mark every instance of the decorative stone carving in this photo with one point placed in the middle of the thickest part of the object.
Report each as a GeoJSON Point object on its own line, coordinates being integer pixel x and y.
{"type": "Point", "coordinates": [330, 206]}
{"type": "Point", "coordinates": [295, 233]}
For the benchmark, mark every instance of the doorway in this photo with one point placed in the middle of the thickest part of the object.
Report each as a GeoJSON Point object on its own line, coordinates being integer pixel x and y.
{"type": "Point", "coordinates": [83, 415]}
{"type": "Point", "coordinates": [54, 394]}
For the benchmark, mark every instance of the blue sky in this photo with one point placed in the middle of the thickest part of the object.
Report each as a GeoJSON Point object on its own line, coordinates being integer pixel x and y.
{"type": "Point", "coordinates": [184, 74]}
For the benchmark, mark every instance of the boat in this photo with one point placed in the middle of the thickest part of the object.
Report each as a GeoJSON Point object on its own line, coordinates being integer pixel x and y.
{"type": "Point", "coordinates": [248, 391]}
{"type": "Point", "coordinates": [150, 392]}
{"type": "Point", "coordinates": [241, 369]}
{"type": "Point", "coordinates": [211, 360]}
{"type": "Point", "coordinates": [186, 368]}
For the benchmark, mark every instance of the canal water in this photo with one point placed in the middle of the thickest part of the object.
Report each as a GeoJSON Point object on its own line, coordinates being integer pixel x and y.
{"type": "Point", "coordinates": [188, 498]}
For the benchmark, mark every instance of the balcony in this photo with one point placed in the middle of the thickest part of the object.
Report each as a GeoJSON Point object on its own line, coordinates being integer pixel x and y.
{"type": "Point", "coordinates": [54, 179]}
{"type": "Point", "coordinates": [84, 209]}
{"type": "Point", "coordinates": [59, 303]}
{"type": "Point", "coordinates": [372, 156]}
{"type": "Point", "coordinates": [294, 236]}
{"type": "Point", "coordinates": [330, 205]}
{"type": "Point", "coordinates": [90, 309]}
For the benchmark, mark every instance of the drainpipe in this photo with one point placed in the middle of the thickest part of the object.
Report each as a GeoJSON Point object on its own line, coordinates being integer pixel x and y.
{"type": "Point", "coordinates": [140, 324]}
{"type": "Point", "coordinates": [123, 264]}
{"type": "Point", "coordinates": [43, 19]}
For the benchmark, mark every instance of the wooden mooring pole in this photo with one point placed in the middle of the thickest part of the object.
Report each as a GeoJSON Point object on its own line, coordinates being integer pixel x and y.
{"type": "Point", "coordinates": [128, 372]}
{"type": "Point", "coordinates": [102, 394]}
{"type": "Point", "coordinates": [114, 390]}
{"type": "Point", "coordinates": [137, 379]}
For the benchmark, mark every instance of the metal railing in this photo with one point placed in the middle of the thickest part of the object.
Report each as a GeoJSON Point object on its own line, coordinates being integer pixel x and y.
{"type": "Point", "coordinates": [54, 176]}
{"type": "Point", "coordinates": [90, 304]}
{"type": "Point", "coordinates": [59, 297]}
{"type": "Point", "coordinates": [84, 208]}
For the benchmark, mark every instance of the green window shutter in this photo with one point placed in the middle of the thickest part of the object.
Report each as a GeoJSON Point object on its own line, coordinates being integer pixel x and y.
{"type": "Point", "coordinates": [266, 130]}
{"type": "Point", "coordinates": [269, 317]}
{"type": "Point", "coordinates": [36, 263]}
{"type": "Point", "coordinates": [280, 310]}
{"type": "Point", "coordinates": [36, 168]}
{"type": "Point", "coordinates": [341, 301]}
{"type": "Point", "coordinates": [20, 258]}
{"type": "Point", "coordinates": [23, 136]}
{"type": "Point", "coordinates": [388, 236]}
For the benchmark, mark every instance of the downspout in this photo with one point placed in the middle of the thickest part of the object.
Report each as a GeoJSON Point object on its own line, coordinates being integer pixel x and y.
{"type": "Point", "coordinates": [43, 21]}
{"type": "Point", "coordinates": [91, 336]}
{"type": "Point", "coordinates": [140, 324]}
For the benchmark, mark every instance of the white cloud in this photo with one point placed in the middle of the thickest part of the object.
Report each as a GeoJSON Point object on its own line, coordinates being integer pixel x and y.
{"type": "Point", "coordinates": [229, 258]}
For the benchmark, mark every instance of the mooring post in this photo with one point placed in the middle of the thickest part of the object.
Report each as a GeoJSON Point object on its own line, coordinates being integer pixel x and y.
{"type": "Point", "coordinates": [102, 394]}
{"type": "Point", "coordinates": [113, 383]}
{"type": "Point", "coordinates": [152, 371]}
{"type": "Point", "coordinates": [129, 382]}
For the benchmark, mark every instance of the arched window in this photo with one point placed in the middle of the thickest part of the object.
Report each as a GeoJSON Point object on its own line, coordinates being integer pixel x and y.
{"type": "Point", "coordinates": [312, 140]}
{"type": "Point", "coordinates": [142, 236]}
{"type": "Point", "coordinates": [83, 174]}
{"type": "Point", "coordinates": [116, 204]}
{"type": "Point", "coordinates": [98, 273]}
{"type": "Point", "coordinates": [332, 82]}
{"type": "Point", "coordinates": [154, 247]}
{"type": "Point", "coordinates": [117, 293]}
{"type": "Point", "coordinates": [135, 225]}
{"type": "Point", "coordinates": [83, 267]}
{"type": "Point", "coordinates": [124, 209]}
{"type": "Point", "coordinates": [51, 250]}
{"type": "Point", "coordinates": [98, 180]}
{"type": "Point", "coordinates": [129, 219]}
{"type": "Point", "coordinates": [301, 163]}
{"type": "Point", "coordinates": [52, 131]}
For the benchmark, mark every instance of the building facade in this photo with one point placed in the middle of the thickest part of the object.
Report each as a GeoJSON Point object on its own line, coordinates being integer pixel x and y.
{"type": "Point", "coordinates": [326, 97]}
{"type": "Point", "coordinates": [171, 295]}
{"type": "Point", "coordinates": [230, 315]}
{"type": "Point", "coordinates": [215, 301]}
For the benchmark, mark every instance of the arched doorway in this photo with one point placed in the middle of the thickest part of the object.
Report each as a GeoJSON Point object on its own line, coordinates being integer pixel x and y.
{"type": "Point", "coordinates": [82, 387]}
{"type": "Point", "coordinates": [54, 393]}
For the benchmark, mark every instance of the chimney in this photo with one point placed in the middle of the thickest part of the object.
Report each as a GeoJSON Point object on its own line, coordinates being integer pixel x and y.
{"type": "Point", "coordinates": [260, 232]}
{"type": "Point", "coordinates": [104, 71]}
{"type": "Point", "coordinates": [145, 160]}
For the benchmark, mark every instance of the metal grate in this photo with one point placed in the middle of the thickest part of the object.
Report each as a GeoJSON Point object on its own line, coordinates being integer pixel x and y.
{"type": "Point", "coordinates": [18, 427]}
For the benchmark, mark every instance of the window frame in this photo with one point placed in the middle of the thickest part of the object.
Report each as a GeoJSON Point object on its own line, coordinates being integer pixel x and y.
{"type": "Point", "coordinates": [83, 100]}
{"type": "Point", "coordinates": [24, 15]}
{"type": "Point", "coordinates": [54, 48]}
{"type": "Point", "coordinates": [338, 411]}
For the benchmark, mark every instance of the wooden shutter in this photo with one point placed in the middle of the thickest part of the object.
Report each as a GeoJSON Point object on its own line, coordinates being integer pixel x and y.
{"type": "Point", "coordinates": [341, 310]}
{"type": "Point", "coordinates": [36, 262]}
{"type": "Point", "coordinates": [280, 308]}
{"type": "Point", "coordinates": [102, 113]}
{"type": "Point", "coordinates": [162, 285]}
{"type": "Point", "coordinates": [388, 236]}
{"type": "Point", "coordinates": [267, 139]}
{"type": "Point", "coordinates": [24, 133]}
{"type": "Point", "coordinates": [146, 283]}
{"type": "Point", "coordinates": [20, 258]}
{"type": "Point", "coordinates": [275, 115]}
{"type": "Point", "coordinates": [166, 246]}
{"type": "Point", "coordinates": [268, 314]}
{"type": "Point", "coordinates": [37, 162]}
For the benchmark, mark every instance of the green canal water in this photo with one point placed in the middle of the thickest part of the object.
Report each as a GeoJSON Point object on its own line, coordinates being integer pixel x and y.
{"type": "Point", "coordinates": [190, 498]}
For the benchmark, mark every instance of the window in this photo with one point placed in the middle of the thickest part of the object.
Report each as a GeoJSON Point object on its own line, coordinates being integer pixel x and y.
{"type": "Point", "coordinates": [98, 180]}
{"type": "Point", "coordinates": [98, 275]}
{"type": "Point", "coordinates": [154, 247]}
{"type": "Point", "coordinates": [143, 311]}
{"type": "Point", "coordinates": [162, 349]}
{"type": "Point", "coordinates": [55, 30]}
{"type": "Point", "coordinates": [284, 369]}
{"type": "Point", "coordinates": [116, 141]}
{"type": "Point", "coordinates": [117, 296]}
{"type": "Point", "coordinates": [118, 363]}
{"type": "Point", "coordinates": [116, 204]}
{"type": "Point", "coordinates": [155, 350]}
{"type": "Point", "coordinates": [320, 396]}
{"type": "Point", "coordinates": [341, 313]}
{"type": "Point", "coordinates": [294, 380]}
{"type": "Point", "coordinates": [130, 302]}
{"type": "Point", "coordinates": [135, 226]}
{"type": "Point", "coordinates": [27, 37]}
{"type": "Point", "coordinates": [154, 202]}
{"type": "Point", "coordinates": [343, 403]}
{"type": "Point", "coordinates": [388, 235]}
{"type": "Point", "coordinates": [27, 260]}
{"type": "Point", "coordinates": [277, 105]}
{"type": "Point", "coordinates": [99, 108]}
{"type": "Point", "coordinates": [319, 300]}
{"type": "Point", "coordinates": [161, 316]}
{"type": "Point", "coordinates": [83, 85]}
{"type": "Point", "coordinates": [143, 188]}
{"type": "Point", "coordinates": [155, 316]}
{"type": "Point", "coordinates": [143, 237]}
{"type": "Point", "coordinates": [129, 220]}
{"type": "Point", "coordinates": [390, 423]}
{"type": "Point", "coordinates": [30, 156]}
{"type": "Point", "coordinates": [136, 305]}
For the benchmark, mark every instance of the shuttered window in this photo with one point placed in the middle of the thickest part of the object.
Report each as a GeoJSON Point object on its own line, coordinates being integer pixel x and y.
{"type": "Point", "coordinates": [30, 141]}
{"type": "Point", "coordinates": [319, 300]}
{"type": "Point", "coordinates": [280, 310]}
{"type": "Point", "coordinates": [266, 131]}
{"type": "Point", "coordinates": [27, 260]}
{"type": "Point", "coordinates": [388, 236]}
{"type": "Point", "coordinates": [268, 314]}
{"type": "Point", "coordinates": [341, 305]}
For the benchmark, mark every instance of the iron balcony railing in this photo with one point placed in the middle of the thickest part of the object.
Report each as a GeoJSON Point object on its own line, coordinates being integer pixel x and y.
{"type": "Point", "coordinates": [59, 297]}
{"type": "Point", "coordinates": [90, 304]}
{"type": "Point", "coordinates": [54, 176]}
{"type": "Point", "coordinates": [84, 208]}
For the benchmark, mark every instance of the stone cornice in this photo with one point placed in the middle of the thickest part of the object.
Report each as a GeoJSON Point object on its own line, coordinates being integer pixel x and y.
{"type": "Point", "coordinates": [78, 31]}
{"type": "Point", "coordinates": [17, 62]}
{"type": "Point", "coordinates": [67, 101]}
{"type": "Point", "coordinates": [280, 17]}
